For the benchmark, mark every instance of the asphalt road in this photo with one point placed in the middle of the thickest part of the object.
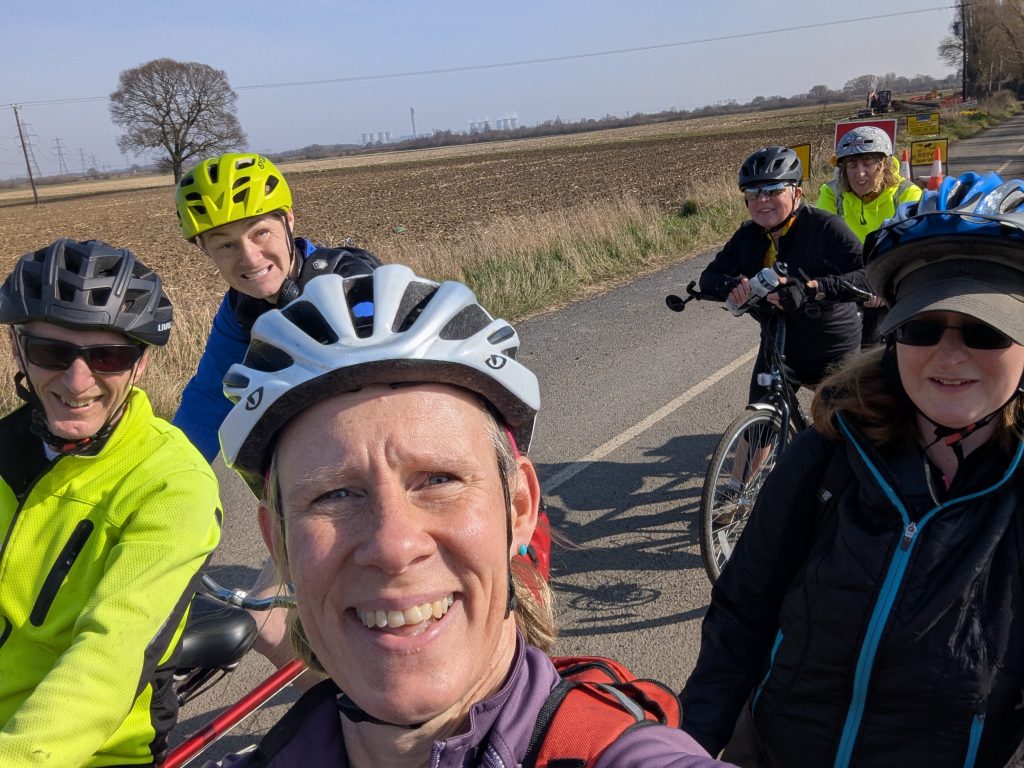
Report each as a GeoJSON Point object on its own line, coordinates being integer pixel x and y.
{"type": "Point", "coordinates": [634, 399]}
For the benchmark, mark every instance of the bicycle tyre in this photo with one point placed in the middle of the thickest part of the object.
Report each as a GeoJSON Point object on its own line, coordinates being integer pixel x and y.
{"type": "Point", "coordinates": [722, 519]}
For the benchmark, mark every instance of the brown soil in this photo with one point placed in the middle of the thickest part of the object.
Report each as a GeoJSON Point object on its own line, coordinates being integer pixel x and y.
{"type": "Point", "coordinates": [420, 196]}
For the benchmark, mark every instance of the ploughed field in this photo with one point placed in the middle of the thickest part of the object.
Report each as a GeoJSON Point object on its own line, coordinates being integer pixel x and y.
{"type": "Point", "coordinates": [421, 196]}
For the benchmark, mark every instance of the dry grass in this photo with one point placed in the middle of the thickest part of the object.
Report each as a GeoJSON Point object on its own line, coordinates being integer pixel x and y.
{"type": "Point", "coordinates": [518, 266]}
{"type": "Point", "coordinates": [529, 225]}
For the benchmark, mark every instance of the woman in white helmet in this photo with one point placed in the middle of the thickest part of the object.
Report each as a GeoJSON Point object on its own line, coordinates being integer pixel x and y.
{"type": "Point", "coordinates": [865, 191]}
{"type": "Point", "coordinates": [389, 452]}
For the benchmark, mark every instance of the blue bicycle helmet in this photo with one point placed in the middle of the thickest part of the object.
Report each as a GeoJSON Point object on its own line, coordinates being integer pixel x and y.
{"type": "Point", "coordinates": [959, 248]}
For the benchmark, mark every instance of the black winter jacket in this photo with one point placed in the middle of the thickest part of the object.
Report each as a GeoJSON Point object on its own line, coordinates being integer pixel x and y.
{"type": "Point", "coordinates": [877, 629]}
{"type": "Point", "coordinates": [819, 243]}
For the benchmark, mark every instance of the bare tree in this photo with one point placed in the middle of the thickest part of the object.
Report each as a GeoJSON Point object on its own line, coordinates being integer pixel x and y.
{"type": "Point", "coordinates": [183, 110]}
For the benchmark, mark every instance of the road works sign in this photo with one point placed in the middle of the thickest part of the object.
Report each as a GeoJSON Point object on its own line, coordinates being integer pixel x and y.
{"type": "Point", "coordinates": [923, 125]}
{"type": "Point", "coordinates": [922, 152]}
{"type": "Point", "coordinates": [887, 124]}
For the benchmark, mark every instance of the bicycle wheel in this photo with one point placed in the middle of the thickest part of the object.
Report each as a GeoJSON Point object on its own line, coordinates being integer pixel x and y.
{"type": "Point", "coordinates": [745, 455]}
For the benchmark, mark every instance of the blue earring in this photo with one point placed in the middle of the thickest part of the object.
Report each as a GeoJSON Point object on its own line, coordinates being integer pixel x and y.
{"type": "Point", "coordinates": [523, 550]}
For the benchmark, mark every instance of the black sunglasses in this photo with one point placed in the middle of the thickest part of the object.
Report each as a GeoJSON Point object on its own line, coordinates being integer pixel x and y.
{"type": "Point", "coordinates": [56, 355]}
{"type": "Point", "coordinates": [928, 333]}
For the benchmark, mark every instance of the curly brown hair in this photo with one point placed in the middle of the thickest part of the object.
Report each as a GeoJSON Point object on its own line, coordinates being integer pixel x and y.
{"type": "Point", "coordinates": [890, 175]}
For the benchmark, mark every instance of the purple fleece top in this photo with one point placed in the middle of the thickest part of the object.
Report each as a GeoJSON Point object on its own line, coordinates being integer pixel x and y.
{"type": "Point", "coordinates": [499, 731]}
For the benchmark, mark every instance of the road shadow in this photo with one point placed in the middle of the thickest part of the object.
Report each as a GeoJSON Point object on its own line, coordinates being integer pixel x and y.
{"type": "Point", "coordinates": [626, 521]}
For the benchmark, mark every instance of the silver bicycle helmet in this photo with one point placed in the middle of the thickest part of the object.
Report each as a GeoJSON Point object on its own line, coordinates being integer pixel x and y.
{"type": "Point", "coordinates": [419, 331]}
{"type": "Point", "coordinates": [863, 140]}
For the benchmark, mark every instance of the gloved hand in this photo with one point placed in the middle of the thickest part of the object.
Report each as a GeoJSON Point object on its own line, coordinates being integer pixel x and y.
{"type": "Point", "coordinates": [792, 295]}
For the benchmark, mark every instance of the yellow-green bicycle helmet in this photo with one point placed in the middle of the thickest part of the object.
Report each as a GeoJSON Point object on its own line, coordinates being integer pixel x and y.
{"type": "Point", "coordinates": [228, 188]}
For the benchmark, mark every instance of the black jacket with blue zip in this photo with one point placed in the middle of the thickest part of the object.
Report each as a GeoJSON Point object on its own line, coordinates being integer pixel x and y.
{"type": "Point", "coordinates": [877, 629]}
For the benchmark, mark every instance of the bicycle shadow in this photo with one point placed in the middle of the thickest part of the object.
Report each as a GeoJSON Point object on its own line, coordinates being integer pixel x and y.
{"type": "Point", "coordinates": [623, 529]}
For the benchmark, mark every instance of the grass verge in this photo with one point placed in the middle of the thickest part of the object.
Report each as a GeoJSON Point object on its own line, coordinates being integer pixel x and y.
{"type": "Point", "coordinates": [521, 266]}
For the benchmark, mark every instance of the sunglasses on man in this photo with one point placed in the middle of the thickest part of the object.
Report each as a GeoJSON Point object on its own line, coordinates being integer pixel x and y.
{"type": "Point", "coordinates": [750, 194]}
{"type": "Point", "coordinates": [56, 355]}
{"type": "Point", "coordinates": [928, 333]}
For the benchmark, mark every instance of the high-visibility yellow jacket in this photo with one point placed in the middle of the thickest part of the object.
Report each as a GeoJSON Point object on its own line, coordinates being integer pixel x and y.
{"type": "Point", "coordinates": [97, 566]}
{"type": "Point", "coordinates": [863, 217]}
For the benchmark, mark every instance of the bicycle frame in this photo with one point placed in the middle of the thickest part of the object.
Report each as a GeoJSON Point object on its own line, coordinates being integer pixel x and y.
{"type": "Point", "coordinates": [195, 744]}
{"type": "Point", "coordinates": [781, 396]}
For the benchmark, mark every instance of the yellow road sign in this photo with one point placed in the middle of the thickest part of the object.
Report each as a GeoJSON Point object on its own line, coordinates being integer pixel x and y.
{"type": "Point", "coordinates": [923, 125]}
{"type": "Point", "coordinates": [922, 152]}
{"type": "Point", "coordinates": [803, 151]}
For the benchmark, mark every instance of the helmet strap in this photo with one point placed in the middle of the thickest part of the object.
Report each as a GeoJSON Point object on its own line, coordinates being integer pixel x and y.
{"type": "Point", "coordinates": [954, 437]}
{"type": "Point", "coordinates": [357, 714]}
{"type": "Point", "coordinates": [290, 287]}
{"type": "Point", "coordinates": [83, 446]}
{"type": "Point", "coordinates": [787, 221]}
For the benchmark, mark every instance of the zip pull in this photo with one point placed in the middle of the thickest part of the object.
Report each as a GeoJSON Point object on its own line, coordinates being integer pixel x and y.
{"type": "Point", "coordinates": [908, 535]}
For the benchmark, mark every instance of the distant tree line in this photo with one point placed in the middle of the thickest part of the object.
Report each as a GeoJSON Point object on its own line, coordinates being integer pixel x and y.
{"type": "Point", "coordinates": [856, 89]}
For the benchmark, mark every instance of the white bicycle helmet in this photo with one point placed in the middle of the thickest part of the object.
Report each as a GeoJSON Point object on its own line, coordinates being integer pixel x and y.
{"type": "Point", "coordinates": [418, 332]}
{"type": "Point", "coordinates": [863, 140]}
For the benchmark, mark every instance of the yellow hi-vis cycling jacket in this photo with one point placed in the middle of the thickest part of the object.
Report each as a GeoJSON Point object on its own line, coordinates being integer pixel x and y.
{"type": "Point", "coordinates": [862, 217]}
{"type": "Point", "coordinates": [97, 566]}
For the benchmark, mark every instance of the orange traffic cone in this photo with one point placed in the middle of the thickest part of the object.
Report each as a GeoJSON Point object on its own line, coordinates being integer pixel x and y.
{"type": "Point", "coordinates": [905, 166]}
{"type": "Point", "coordinates": [936, 178]}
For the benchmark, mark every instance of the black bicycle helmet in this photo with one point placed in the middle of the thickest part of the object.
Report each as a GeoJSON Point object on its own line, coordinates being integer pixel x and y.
{"type": "Point", "coordinates": [89, 286]}
{"type": "Point", "coordinates": [771, 164]}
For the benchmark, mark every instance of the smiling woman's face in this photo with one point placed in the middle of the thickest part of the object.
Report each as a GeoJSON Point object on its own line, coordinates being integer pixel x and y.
{"type": "Point", "coordinates": [397, 545]}
{"type": "Point", "coordinates": [953, 384]}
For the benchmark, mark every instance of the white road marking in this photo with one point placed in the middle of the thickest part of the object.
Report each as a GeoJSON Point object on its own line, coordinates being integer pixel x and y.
{"type": "Point", "coordinates": [666, 410]}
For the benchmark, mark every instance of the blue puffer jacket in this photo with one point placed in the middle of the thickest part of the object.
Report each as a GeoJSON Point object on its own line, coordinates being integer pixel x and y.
{"type": "Point", "coordinates": [203, 405]}
{"type": "Point", "coordinates": [498, 735]}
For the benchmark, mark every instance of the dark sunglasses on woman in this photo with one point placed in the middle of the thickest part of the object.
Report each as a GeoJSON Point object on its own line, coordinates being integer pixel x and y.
{"type": "Point", "coordinates": [56, 355]}
{"type": "Point", "coordinates": [928, 333]}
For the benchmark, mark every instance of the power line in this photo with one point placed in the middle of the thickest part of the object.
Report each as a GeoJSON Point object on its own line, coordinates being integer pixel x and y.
{"type": "Point", "coordinates": [544, 60]}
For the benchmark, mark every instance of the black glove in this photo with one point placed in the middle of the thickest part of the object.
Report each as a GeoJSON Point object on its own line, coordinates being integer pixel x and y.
{"type": "Point", "coordinates": [791, 295]}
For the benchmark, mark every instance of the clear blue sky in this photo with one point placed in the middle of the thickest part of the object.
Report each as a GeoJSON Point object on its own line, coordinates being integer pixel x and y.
{"type": "Point", "coordinates": [59, 49]}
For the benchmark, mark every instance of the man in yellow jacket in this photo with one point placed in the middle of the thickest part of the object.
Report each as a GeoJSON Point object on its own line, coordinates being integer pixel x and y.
{"type": "Point", "coordinates": [865, 192]}
{"type": "Point", "coordinates": [107, 514]}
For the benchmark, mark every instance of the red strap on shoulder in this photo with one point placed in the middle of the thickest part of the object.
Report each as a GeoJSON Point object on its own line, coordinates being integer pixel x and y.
{"type": "Point", "coordinates": [596, 702]}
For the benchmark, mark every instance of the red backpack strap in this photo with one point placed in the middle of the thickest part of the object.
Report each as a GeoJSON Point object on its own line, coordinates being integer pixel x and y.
{"type": "Point", "coordinates": [596, 702]}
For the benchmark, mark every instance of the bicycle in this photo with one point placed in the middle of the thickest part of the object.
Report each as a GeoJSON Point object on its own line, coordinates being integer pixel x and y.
{"type": "Point", "coordinates": [219, 632]}
{"type": "Point", "coordinates": [750, 446]}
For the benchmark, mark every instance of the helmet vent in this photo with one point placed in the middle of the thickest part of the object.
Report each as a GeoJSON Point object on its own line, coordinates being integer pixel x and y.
{"type": "Point", "coordinates": [271, 184]}
{"type": "Point", "coordinates": [413, 301]}
{"type": "Point", "coordinates": [1012, 201]}
{"type": "Point", "coordinates": [33, 288]}
{"type": "Point", "coordinates": [466, 322]}
{"type": "Point", "coordinates": [188, 181]}
{"type": "Point", "coordinates": [65, 291]}
{"type": "Point", "coordinates": [502, 334]}
{"type": "Point", "coordinates": [307, 317]}
{"type": "Point", "coordinates": [72, 261]}
{"type": "Point", "coordinates": [244, 162]}
{"type": "Point", "coordinates": [214, 172]}
{"type": "Point", "coordinates": [265, 357]}
{"type": "Point", "coordinates": [511, 352]}
{"type": "Point", "coordinates": [99, 297]}
{"type": "Point", "coordinates": [240, 196]}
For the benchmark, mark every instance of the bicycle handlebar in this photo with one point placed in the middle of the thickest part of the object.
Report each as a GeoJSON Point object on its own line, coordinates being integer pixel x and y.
{"type": "Point", "coordinates": [240, 599]}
